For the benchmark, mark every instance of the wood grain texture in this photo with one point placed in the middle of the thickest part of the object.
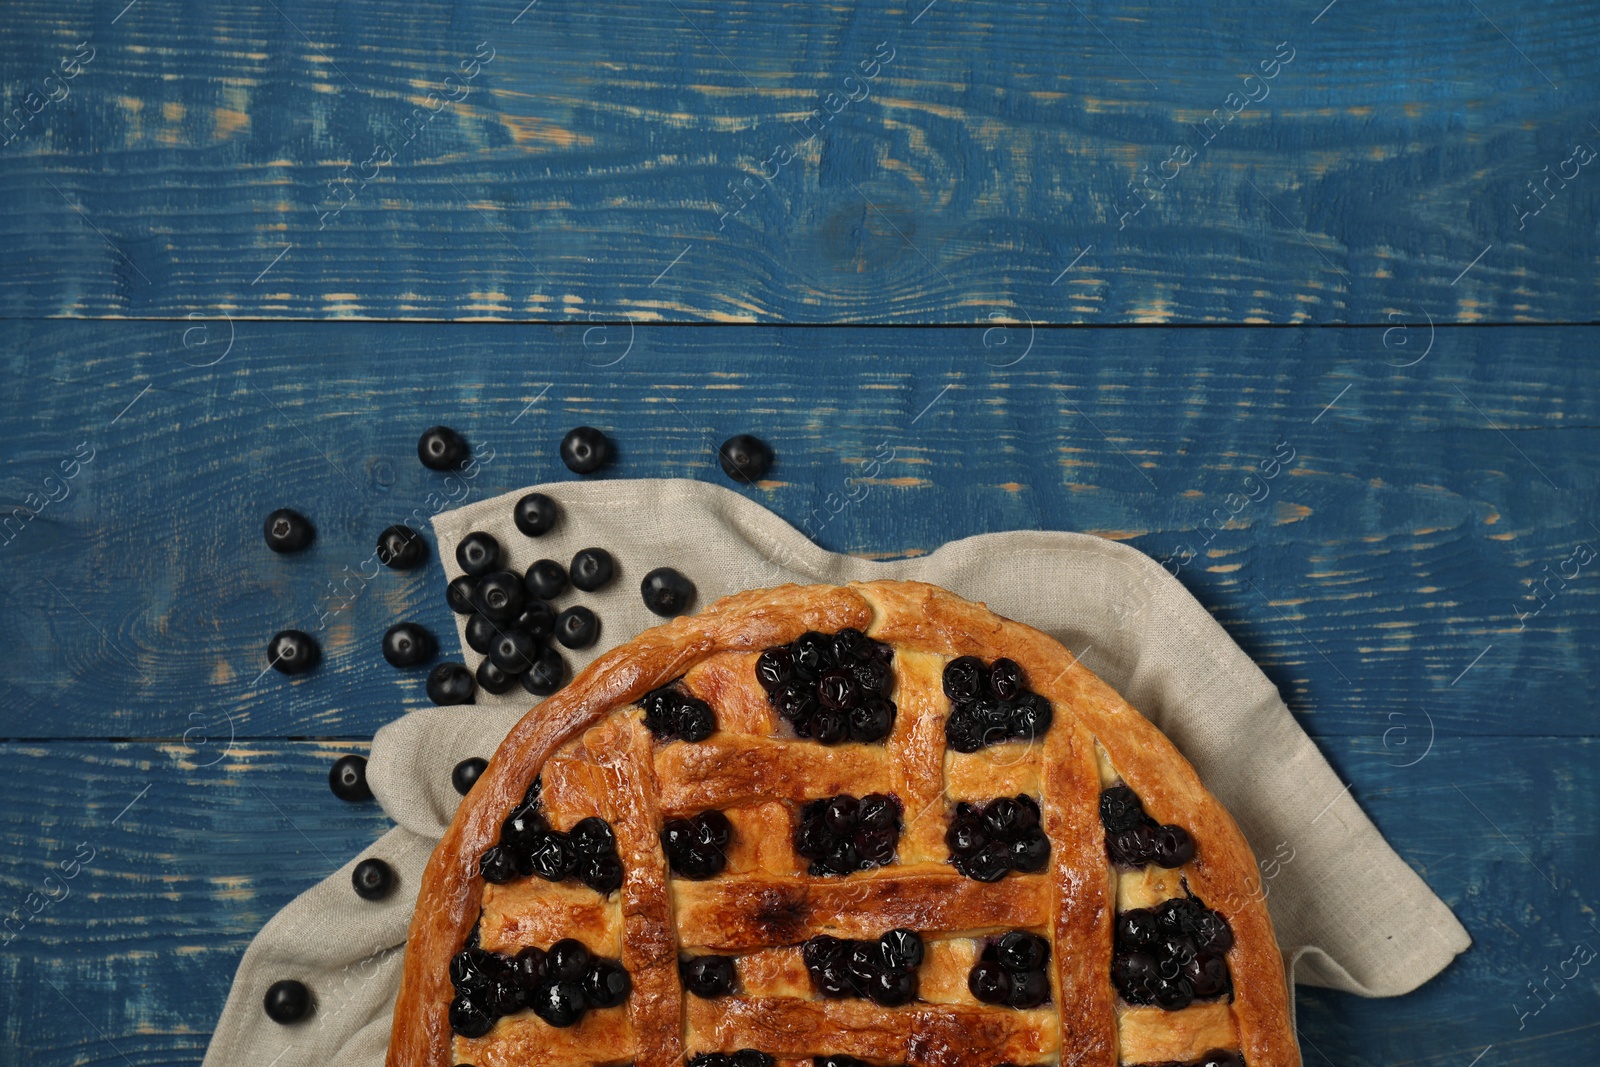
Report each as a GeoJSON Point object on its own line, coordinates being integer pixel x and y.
{"type": "Point", "coordinates": [1394, 546]}
{"type": "Point", "coordinates": [693, 161]}
{"type": "Point", "coordinates": [145, 944]}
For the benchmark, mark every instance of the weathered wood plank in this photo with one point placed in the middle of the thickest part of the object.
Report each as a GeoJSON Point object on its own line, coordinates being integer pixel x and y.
{"type": "Point", "coordinates": [698, 161]}
{"type": "Point", "coordinates": [1392, 550]}
{"type": "Point", "coordinates": [146, 938]}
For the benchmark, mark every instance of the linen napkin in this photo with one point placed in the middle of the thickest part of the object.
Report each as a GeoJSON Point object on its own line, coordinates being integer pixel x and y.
{"type": "Point", "coordinates": [1349, 913]}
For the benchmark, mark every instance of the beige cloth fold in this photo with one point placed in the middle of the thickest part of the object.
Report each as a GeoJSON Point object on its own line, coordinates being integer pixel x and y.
{"type": "Point", "coordinates": [1350, 914]}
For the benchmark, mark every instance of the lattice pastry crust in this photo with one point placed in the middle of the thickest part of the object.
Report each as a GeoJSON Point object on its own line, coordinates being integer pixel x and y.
{"type": "Point", "coordinates": [590, 750]}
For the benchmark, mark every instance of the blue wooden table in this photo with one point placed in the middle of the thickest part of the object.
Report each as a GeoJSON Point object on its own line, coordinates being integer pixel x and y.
{"type": "Point", "coordinates": [250, 257]}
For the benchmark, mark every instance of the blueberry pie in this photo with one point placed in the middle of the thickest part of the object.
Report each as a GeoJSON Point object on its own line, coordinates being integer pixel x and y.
{"type": "Point", "coordinates": [863, 826]}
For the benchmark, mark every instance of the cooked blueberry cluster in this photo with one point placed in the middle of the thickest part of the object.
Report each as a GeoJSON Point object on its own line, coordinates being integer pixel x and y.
{"type": "Point", "coordinates": [842, 834]}
{"type": "Point", "coordinates": [1215, 1058]}
{"type": "Point", "coordinates": [987, 841]}
{"type": "Point", "coordinates": [832, 688]}
{"type": "Point", "coordinates": [672, 714]}
{"type": "Point", "coordinates": [695, 846]}
{"type": "Point", "coordinates": [1011, 971]}
{"type": "Point", "coordinates": [882, 971]}
{"type": "Point", "coordinates": [587, 852]}
{"type": "Point", "coordinates": [991, 705]}
{"type": "Point", "coordinates": [745, 1057]}
{"type": "Point", "coordinates": [1134, 839]}
{"type": "Point", "coordinates": [708, 976]}
{"type": "Point", "coordinates": [1171, 955]}
{"type": "Point", "coordinates": [558, 984]}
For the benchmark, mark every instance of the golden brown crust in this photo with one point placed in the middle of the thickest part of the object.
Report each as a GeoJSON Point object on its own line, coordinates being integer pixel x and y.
{"type": "Point", "coordinates": [763, 902]}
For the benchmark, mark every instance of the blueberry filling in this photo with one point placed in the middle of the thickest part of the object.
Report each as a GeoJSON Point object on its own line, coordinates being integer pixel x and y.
{"type": "Point", "coordinates": [672, 714]}
{"type": "Point", "coordinates": [1134, 839]}
{"type": "Point", "coordinates": [882, 971]}
{"type": "Point", "coordinates": [1011, 971]}
{"type": "Point", "coordinates": [528, 846]}
{"type": "Point", "coordinates": [990, 840]}
{"type": "Point", "coordinates": [990, 704]}
{"type": "Point", "coordinates": [833, 688]}
{"type": "Point", "coordinates": [745, 1057]}
{"type": "Point", "coordinates": [708, 976]}
{"type": "Point", "coordinates": [558, 984]}
{"type": "Point", "coordinates": [696, 847]}
{"type": "Point", "coordinates": [1171, 955]}
{"type": "Point", "coordinates": [841, 834]}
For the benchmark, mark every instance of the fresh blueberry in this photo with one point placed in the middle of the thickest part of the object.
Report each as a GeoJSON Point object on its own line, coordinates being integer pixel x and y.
{"type": "Point", "coordinates": [745, 458]}
{"type": "Point", "coordinates": [989, 982]}
{"type": "Point", "coordinates": [441, 449]}
{"type": "Point", "coordinates": [372, 879]}
{"type": "Point", "coordinates": [577, 627]}
{"type": "Point", "coordinates": [545, 579]}
{"type": "Point", "coordinates": [512, 651]}
{"type": "Point", "coordinates": [492, 679]}
{"type": "Point", "coordinates": [497, 865]}
{"type": "Point", "coordinates": [481, 633]}
{"type": "Point", "coordinates": [458, 594]}
{"type": "Point", "coordinates": [558, 1003]}
{"type": "Point", "coordinates": [585, 450]}
{"type": "Point", "coordinates": [478, 553]}
{"type": "Point", "coordinates": [708, 976]}
{"type": "Point", "coordinates": [964, 678]}
{"type": "Point", "coordinates": [287, 1001]}
{"type": "Point", "coordinates": [499, 596]}
{"type": "Point", "coordinates": [536, 619]}
{"type": "Point", "coordinates": [407, 644]}
{"type": "Point", "coordinates": [1173, 847]}
{"type": "Point", "coordinates": [348, 779]}
{"type": "Point", "coordinates": [401, 548]}
{"type": "Point", "coordinates": [536, 514]}
{"type": "Point", "coordinates": [591, 569]}
{"type": "Point", "coordinates": [467, 772]}
{"type": "Point", "coordinates": [605, 984]}
{"type": "Point", "coordinates": [287, 530]}
{"type": "Point", "coordinates": [450, 683]}
{"type": "Point", "coordinates": [548, 673]}
{"type": "Point", "coordinates": [666, 592]}
{"type": "Point", "coordinates": [293, 652]}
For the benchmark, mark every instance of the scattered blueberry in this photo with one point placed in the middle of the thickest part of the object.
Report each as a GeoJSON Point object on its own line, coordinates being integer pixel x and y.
{"type": "Point", "coordinates": [591, 569]}
{"type": "Point", "coordinates": [512, 651]}
{"type": "Point", "coordinates": [499, 596]}
{"type": "Point", "coordinates": [481, 633]}
{"type": "Point", "coordinates": [547, 675]}
{"type": "Point", "coordinates": [287, 1001]}
{"type": "Point", "coordinates": [536, 619]}
{"type": "Point", "coordinates": [406, 644]}
{"type": "Point", "coordinates": [401, 548]}
{"type": "Point", "coordinates": [585, 450]}
{"type": "Point", "coordinates": [467, 773]}
{"type": "Point", "coordinates": [745, 458]}
{"type": "Point", "coordinates": [536, 514]}
{"type": "Point", "coordinates": [450, 683]}
{"type": "Point", "coordinates": [577, 627]}
{"type": "Point", "coordinates": [348, 779]}
{"type": "Point", "coordinates": [372, 879]}
{"type": "Point", "coordinates": [293, 652]}
{"type": "Point", "coordinates": [441, 449]}
{"type": "Point", "coordinates": [478, 553]}
{"type": "Point", "coordinates": [546, 579]}
{"type": "Point", "coordinates": [492, 679]}
{"type": "Point", "coordinates": [288, 531]}
{"type": "Point", "coordinates": [459, 594]}
{"type": "Point", "coordinates": [666, 592]}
